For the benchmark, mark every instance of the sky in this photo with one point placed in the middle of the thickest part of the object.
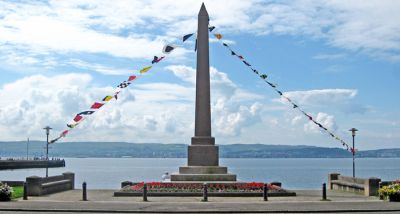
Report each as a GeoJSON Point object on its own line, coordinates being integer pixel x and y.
{"type": "Point", "coordinates": [339, 60]}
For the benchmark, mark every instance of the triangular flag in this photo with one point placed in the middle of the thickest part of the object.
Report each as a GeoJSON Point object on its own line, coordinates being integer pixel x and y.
{"type": "Point", "coordinates": [279, 92]}
{"type": "Point", "coordinates": [107, 98]}
{"type": "Point", "coordinates": [133, 77]}
{"type": "Point", "coordinates": [77, 118]}
{"type": "Point", "coordinates": [218, 35]}
{"type": "Point", "coordinates": [168, 48]}
{"type": "Point", "coordinates": [72, 125]}
{"type": "Point", "coordinates": [246, 63]}
{"type": "Point", "coordinates": [116, 95]}
{"type": "Point", "coordinates": [156, 59]}
{"type": "Point", "coordinates": [96, 105]}
{"type": "Point", "coordinates": [86, 113]}
{"type": "Point", "coordinates": [124, 84]}
{"type": "Point", "coordinates": [211, 28]}
{"type": "Point", "coordinates": [64, 133]}
{"type": "Point", "coordinates": [54, 140]}
{"type": "Point", "coordinates": [185, 37]}
{"type": "Point", "coordinates": [144, 70]}
{"type": "Point", "coordinates": [295, 106]}
{"type": "Point", "coordinates": [233, 53]}
{"type": "Point", "coordinates": [264, 76]}
{"type": "Point", "coordinates": [240, 57]}
{"type": "Point", "coordinates": [226, 45]}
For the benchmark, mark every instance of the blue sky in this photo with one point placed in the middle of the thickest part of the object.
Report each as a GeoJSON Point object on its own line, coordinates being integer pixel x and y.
{"type": "Point", "coordinates": [339, 60]}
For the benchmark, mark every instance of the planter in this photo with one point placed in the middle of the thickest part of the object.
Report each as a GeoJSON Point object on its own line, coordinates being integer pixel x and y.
{"type": "Point", "coordinates": [394, 197]}
{"type": "Point", "coordinates": [4, 197]}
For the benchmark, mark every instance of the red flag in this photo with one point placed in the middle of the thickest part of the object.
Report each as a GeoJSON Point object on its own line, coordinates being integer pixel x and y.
{"type": "Point", "coordinates": [64, 133]}
{"type": "Point", "coordinates": [97, 105]}
{"type": "Point", "coordinates": [132, 78]}
{"type": "Point", "coordinates": [78, 118]}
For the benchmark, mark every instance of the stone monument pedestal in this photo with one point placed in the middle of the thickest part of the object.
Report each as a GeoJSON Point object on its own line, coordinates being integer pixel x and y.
{"type": "Point", "coordinates": [203, 173]}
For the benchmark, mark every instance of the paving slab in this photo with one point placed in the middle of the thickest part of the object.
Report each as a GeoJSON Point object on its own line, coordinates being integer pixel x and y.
{"type": "Point", "coordinates": [103, 201]}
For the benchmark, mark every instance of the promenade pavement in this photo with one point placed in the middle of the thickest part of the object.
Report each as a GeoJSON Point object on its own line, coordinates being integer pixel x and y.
{"type": "Point", "coordinates": [102, 201]}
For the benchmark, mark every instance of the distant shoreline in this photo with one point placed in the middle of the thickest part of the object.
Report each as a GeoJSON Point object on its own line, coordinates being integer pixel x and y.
{"type": "Point", "coordinates": [159, 150]}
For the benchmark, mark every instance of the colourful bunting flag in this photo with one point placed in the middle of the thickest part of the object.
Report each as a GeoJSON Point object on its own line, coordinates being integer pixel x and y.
{"type": "Point", "coordinates": [226, 45]}
{"type": "Point", "coordinates": [86, 113]}
{"type": "Point", "coordinates": [107, 98]}
{"type": "Point", "coordinates": [125, 83]}
{"type": "Point", "coordinates": [54, 140]}
{"type": "Point", "coordinates": [246, 63]}
{"type": "Point", "coordinates": [156, 59]}
{"type": "Point", "coordinates": [279, 92]}
{"type": "Point", "coordinates": [263, 76]}
{"type": "Point", "coordinates": [77, 118]}
{"type": "Point", "coordinates": [168, 48]}
{"type": "Point", "coordinates": [185, 37]}
{"type": "Point", "coordinates": [72, 125]}
{"type": "Point", "coordinates": [96, 105]}
{"type": "Point", "coordinates": [240, 57]}
{"type": "Point", "coordinates": [144, 70]}
{"type": "Point", "coordinates": [116, 95]}
{"type": "Point", "coordinates": [233, 53]}
{"type": "Point", "coordinates": [64, 133]}
{"type": "Point", "coordinates": [218, 35]}
{"type": "Point", "coordinates": [211, 28]}
{"type": "Point", "coordinates": [295, 106]}
{"type": "Point", "coordinates": [131, 78]}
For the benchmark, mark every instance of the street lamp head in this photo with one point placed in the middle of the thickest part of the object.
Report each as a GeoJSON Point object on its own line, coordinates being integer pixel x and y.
{"type": "Point", "coordinates": [47, 128]}
{"type": "Point", "coordinates": [353, 131]}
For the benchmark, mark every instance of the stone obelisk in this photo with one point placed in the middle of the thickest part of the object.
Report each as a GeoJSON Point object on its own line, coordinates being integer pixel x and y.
{"type": "Point", "coordinates": [203, 156]}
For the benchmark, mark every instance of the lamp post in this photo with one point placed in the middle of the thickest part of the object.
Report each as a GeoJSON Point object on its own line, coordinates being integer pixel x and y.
{"type": "Point", "coordinates": [47, 128]}
{"type": "Point", "coordinates": [353, 133]}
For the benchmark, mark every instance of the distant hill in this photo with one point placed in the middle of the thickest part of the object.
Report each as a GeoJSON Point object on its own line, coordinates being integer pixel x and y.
{"type": "Point", "coordinates": [158, 150]}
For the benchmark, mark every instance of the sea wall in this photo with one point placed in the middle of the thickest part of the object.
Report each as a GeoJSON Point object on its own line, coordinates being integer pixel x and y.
{"type": "Point", "coordinates": [23, 164]}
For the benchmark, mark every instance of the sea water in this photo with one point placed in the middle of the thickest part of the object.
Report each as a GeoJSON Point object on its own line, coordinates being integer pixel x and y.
{"type": "Point", "coordinates": [294, 173]}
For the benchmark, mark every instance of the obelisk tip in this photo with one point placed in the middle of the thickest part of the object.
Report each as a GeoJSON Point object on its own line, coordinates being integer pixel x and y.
{"type": "Point", "coordinates": [203, 10]}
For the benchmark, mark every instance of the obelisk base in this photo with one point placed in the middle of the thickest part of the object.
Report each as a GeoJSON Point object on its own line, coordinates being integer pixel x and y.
{"type": "Point", "coordinates": [203, 165]}
{"type": "Point", "coordinates": [203, 173]}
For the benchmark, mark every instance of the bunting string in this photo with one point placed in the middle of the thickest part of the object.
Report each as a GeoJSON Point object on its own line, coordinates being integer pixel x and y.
{"type": "Point", "coordinates": [274, 87]}
{"type": "Point", "coordinates": [80, 117]}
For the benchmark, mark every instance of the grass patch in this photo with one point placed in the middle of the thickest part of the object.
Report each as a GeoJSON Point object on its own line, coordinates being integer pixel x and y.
{"type": "Point", "coordinates": [18, 192]}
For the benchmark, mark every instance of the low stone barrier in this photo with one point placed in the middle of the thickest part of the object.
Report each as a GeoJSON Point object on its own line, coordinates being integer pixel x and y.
{"type": "Point", "coordinates": [38, 186]}
{"type": "Point", "coordinates": [13, 183]}
{"type": "Point", "coordinates": [367, 186]}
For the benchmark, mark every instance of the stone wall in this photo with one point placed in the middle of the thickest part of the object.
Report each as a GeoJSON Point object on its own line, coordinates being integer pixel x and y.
{"type": "Point", "coordinates": [37, 186]}
{"type": "Point", "coordinates": [366, 186]}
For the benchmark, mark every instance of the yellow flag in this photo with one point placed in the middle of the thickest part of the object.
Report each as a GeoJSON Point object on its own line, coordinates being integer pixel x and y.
{"type": "Point", "coordinates": [107, 98]}
{"type": "Point", "coordinates": [218, 35]}
{"type": "Point", "coordinates": [144, 70]}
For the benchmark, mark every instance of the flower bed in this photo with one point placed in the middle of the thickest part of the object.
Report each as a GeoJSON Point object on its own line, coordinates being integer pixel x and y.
{"type": "Point", "coordinates": [196, 189]}
{"type": "Point", "coordinates": [5, 192]}
{"type": "Point", "coordinates": [391, 192]}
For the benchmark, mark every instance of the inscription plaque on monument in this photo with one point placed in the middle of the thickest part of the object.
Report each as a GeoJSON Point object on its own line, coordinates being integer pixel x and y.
{"type": "Point", "coordinates": [203, 154]}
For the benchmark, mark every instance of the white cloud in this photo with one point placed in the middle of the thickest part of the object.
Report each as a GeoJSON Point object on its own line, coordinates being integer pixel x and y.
{"type": "Point", "coordinates": [321, 97]}
{"type": "Point", "coordinates": [99, 68]}
{"type": "Point", "coordinates": [328, 121]}
{"type": "Point", "coordinates": [329, 56]}
{"type": "Point", "coordinates": [159, 110]}
{"type": "Point", "coordinates": [93, 26]}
